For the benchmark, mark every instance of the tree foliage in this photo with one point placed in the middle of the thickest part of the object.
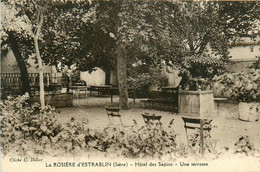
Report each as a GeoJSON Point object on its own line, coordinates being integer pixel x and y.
{"type": "Point", "coordinates": [89, 34]}
{"type": "Point", "coordinates": [152, 30]}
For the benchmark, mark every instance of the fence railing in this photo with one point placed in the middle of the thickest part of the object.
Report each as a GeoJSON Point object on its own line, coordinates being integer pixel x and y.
{"type": "Point", "coordinates": [11, 83]}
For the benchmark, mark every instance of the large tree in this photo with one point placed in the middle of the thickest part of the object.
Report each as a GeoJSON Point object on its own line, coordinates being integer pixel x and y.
{"type": "Point", "coordinates": [14, 36]}
{"type": "Point", "coordinates": [124, 32]}
{"type": "Point", "coordinates": [152, 31]}
{"type": "Point", "coordinates": [29, 17]}
{"type": "Point", "coordinates": [138, 31]}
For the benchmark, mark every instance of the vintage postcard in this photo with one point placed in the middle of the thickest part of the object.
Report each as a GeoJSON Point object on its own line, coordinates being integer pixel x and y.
{"type": "Point", "coordinates": [130, 85]}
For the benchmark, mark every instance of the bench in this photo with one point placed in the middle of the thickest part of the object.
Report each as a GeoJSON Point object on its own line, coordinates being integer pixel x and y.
{"type": "Point", "coordinates": [160, 104]}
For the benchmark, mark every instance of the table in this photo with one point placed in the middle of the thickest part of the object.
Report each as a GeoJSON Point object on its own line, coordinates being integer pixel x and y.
{"type": "Point", "coordinates": [78, 89]}
{"type": "Point", "coordinates": [99, 89]}
{"type": "Point", "coordinates": [116, 89]}
{"type": "Point", "coordinates": [170, 88]}
{"type": "Point", "coordinates": [55, 87]}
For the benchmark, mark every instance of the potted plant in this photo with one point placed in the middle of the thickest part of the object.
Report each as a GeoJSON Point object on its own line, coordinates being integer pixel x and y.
{"type": "Point", "coordinates": [243, 88]}
{"type": "Point", "coordinates": [246, 91]}
{"type": "Point", "coordinates": [196, 96]}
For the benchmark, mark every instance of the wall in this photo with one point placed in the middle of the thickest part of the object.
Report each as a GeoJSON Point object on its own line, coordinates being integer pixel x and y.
{"type": "Point", "coordinates": [227, 109]}
{"type": "Point", "coordinates": [96, 77]}
{"type": "Point", "coordinates": [243, 57]}
{"type": "Point", "coordinates": [9, 64]}
{"type": "Point", "coordinates": [244, 52]}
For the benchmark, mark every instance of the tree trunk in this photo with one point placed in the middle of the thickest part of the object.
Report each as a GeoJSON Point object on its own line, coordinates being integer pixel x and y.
{"type": "Point", "coordinates": [107, 77]}
{"type": "Point", "coordinates": [68, 84]}
{"type": "Point", "coordinates": [190, 40]}
{"type": "Point", "coordinates": [38, 55]}
{"type": "Point", "coordinates": [23, 69]}
{"type": "Point", "coordinates": [203, 44]}
{"type": "Point", "coordinates": [42, 101]}
{"type": "Point", "coordinates": [121, 76]}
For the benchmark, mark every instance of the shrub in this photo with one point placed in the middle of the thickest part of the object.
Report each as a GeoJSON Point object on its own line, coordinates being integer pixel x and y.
{"type": "Point", "coordinates": [26, 129]}
{"type": "Point", "coordinates": [142, 81]}
{"type": "Point", "coordinates": [197, 71]}
{"type": "Point", "coordinates": [149, 141]}
{"type": "Point", "coordinates": [243, 146]}
{"type": "Point", "coordinates": [21, 122]}
{"type": "Point", "coordinates": [242, 87]}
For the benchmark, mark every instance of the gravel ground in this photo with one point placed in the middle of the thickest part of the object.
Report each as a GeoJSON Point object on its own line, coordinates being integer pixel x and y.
{"type": "Point", "coordinates": [226, 131]}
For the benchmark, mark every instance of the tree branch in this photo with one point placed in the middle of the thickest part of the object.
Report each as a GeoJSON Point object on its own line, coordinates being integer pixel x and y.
{"type": "Point", "coordinates": [203, 43]}
{"type": "Point", "coordinates": [39, 25]}
{"type": "Point", "coordinates": [3, 43]}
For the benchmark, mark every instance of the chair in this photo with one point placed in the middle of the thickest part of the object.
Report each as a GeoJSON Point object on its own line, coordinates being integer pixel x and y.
{"type": "Point", "coordinates": [113, 112]}
{"type": "Point", "coordinates": [147, 118]}
{"type": "Point", "coordinates": [198, 123]}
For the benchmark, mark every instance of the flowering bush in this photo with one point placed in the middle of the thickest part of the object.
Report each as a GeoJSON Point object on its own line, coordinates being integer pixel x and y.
{"type": "Point", "coordinates": [243, 87]}
{"type": "Point", "coordinates": [141, 82]}
{"type": "Point", "coordinates": [21, 121]}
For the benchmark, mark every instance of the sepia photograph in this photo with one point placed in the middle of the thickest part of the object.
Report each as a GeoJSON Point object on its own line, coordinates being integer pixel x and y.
{"type": "Point", "coordinates": [130, 85]}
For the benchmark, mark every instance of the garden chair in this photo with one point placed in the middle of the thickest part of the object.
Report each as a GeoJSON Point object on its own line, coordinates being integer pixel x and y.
{"type": "Point", "coordinates": [148, 118]}
{"type": "Point", "coordinates": [113, 112]}
{"type": "Point", "coordinates": [200, 124]}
